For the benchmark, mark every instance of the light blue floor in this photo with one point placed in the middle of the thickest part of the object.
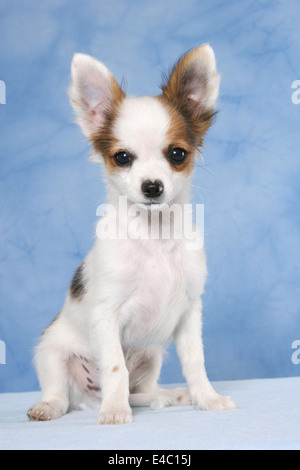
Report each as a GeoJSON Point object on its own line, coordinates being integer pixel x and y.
{"type": "Point", "coordinates": [268, 418]}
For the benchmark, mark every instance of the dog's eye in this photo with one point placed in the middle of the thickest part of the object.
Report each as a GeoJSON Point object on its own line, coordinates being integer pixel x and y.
{"type": "Point", "coordinates": [123, 158]}
{"type": "Point", "coordinates": [177, 156]}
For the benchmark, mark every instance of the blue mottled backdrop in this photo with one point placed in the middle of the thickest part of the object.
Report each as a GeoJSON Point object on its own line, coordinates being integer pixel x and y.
{"type": "Point", "coordinates": [250, 182]}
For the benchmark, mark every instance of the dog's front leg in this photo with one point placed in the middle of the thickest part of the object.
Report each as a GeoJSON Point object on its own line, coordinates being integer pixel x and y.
{"type": "Point", "coordinates": [109, 355]}
{"type": "Point", "coordinates": [188, 340]}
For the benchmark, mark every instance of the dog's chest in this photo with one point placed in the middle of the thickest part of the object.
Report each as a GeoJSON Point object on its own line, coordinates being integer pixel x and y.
{"type": "Point", "coordinates": [162, 287]}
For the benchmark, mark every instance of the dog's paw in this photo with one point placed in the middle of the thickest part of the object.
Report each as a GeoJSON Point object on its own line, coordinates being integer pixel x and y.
{"type": "Point", "coordinates": [216, 403]}
{"type": "Point", "coordinates": [43, 411]}
{"type": "Point", "coordinates": [115, 417]}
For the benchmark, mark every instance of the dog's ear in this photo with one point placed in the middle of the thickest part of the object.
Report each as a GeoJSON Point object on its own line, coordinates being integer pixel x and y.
{"type": "Point", "coordinates": [93, 92]}
{"type": "Point", "coordinates": [193, 87]}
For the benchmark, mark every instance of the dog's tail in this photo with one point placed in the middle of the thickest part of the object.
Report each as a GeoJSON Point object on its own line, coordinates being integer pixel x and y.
{"type": "Point", "coordinates": [161, 398]}
{"type": "Point", "coordinates": [146, 399]}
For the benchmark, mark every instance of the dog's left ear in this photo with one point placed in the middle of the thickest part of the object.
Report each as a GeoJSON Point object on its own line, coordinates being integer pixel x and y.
{"type": "Point", "coordinates": [193, 88]}
{"type": "Point", "coordinates": [93, 92]}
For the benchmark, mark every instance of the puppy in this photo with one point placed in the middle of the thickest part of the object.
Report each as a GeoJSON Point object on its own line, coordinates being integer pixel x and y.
{"type": "Point", "coordinates": [132, 295]}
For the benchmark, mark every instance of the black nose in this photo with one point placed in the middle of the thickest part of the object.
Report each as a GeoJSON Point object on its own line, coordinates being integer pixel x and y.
{"type": "Point", "coordinates": [152, 189]}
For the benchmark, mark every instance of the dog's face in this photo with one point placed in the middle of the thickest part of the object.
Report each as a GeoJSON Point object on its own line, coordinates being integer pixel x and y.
{"type": "Point", "coordinates": [148, 144]}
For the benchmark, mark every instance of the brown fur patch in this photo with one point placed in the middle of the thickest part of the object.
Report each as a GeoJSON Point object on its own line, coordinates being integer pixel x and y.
{"type": "Point", "coordinates": [103, 140]}
{"type": "Point", "coordinates": [115, 369]}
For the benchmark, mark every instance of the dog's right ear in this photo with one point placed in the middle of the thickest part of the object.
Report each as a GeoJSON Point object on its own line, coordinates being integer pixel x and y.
{"type": "Point", "coordinates": [93, 92]}
{"type": "Point", "coordinates": [193, 88]}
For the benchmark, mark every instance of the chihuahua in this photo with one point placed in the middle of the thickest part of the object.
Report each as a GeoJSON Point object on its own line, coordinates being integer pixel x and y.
{"type": "Point", "coordinates": [132, 295]}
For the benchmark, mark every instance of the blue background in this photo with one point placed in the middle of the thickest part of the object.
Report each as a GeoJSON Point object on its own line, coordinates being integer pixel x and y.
{"type": "Point", "coordinates": [250, 182]}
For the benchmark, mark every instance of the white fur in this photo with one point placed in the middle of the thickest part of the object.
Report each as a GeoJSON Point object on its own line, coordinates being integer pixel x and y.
{"type": "Point", "coordinates": [139, 294]}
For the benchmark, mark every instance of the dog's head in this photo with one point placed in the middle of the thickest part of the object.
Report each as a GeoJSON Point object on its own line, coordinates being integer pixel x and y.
{"type": "Point", "coordinates": [148, 144]}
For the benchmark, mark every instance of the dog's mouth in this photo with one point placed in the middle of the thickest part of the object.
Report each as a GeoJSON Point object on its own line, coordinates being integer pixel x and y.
{"type": "Point", "coordinates": [156, 203]}
{"type": "Point", "coordinates": [152, 205]}
{"type": "Point", "coordinates": [159, 203]}
{"type": "Point", "coordinates": [148, 203]}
